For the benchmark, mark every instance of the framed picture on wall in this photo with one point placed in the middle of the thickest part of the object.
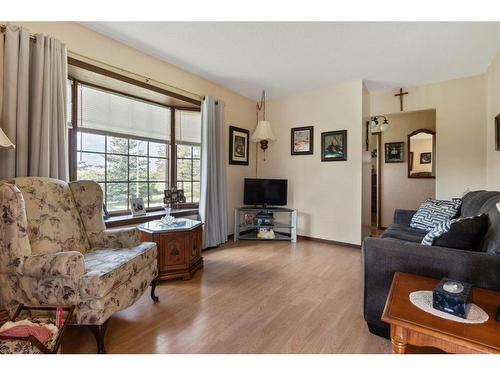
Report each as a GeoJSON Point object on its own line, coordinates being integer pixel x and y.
{"type": "Point", "coordinates": [334, 146]}
{"type": "Point", "coordinates": [425, 157]}
{"type": "Point", "coordinates": [238, 145]}
{"type": "Point", "coordinates": [302, 140]}
{"type": "Point", "coordinates": [497, 132]}
{"type": "Point", "coordinates": [394, 152]}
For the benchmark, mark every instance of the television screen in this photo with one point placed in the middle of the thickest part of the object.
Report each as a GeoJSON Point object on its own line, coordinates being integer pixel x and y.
{"type": "Point", "coordinates": [265, 192]}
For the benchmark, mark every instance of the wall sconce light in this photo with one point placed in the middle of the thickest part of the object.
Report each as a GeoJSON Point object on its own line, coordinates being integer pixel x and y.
{"type": "Point", "coordinates": [5, 141]}
{"type": "Point", "coordinates": [263, 133]}
{"type": "Point", "coordinates": [375, 124]}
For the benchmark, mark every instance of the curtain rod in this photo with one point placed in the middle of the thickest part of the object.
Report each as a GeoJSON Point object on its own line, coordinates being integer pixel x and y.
{"type": "Point", "coordinates": [146, 79]}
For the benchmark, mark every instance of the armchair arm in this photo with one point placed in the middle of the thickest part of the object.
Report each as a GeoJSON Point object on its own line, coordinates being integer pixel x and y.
{"type": "Point", "coordinates": [383, 257]}
{"type": "Point", "coordinates": [67, 264]}
{"type": "Point", "coordinates": [403, 217]}
{"type": "Point", "coordinates": [113, 238]}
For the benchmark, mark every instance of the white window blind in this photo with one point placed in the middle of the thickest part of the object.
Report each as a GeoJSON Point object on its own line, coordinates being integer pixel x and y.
{"type": "Point", "coordinates": [105, 111]}
{"type": "Point", "coordinates": [188, 127]}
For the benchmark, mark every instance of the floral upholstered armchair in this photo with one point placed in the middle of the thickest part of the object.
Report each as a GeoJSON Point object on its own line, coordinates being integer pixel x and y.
{"type": "Point", "coordinates": [55, 250]}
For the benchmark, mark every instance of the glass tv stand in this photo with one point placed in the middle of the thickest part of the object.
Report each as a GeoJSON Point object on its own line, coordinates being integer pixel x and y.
{"type": "Point", "coordinates": [248, 221]}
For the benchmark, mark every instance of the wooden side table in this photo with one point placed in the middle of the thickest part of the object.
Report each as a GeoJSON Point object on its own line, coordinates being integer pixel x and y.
{"type": "Point", "coordinates": [413, 326]}
{"type": "Point", "coordinates": [179, 247]}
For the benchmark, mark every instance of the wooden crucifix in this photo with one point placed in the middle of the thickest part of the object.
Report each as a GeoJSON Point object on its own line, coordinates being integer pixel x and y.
{"type": "Point", "coordinates": [401, 93]}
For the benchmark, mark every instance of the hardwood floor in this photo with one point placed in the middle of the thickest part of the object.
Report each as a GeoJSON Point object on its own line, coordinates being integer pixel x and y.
{"type": "Point", "coordinates": [251, 297]}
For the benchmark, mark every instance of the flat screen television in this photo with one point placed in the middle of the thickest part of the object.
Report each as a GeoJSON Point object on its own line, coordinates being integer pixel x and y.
{"type": "Point", "coordinates": [265, 192]}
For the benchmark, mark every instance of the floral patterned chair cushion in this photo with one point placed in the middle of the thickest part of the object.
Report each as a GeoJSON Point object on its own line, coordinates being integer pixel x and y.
{"type": "Point", "coordinates": [108, 268]}
{"type": "Point", "coordinates": [97, 311]}
{"type": "Point", "coordinates": [54, 224]}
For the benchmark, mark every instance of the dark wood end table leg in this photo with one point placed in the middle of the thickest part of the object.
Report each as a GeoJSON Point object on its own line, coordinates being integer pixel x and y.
{"type": "Point", "coordinates": [154, 283]}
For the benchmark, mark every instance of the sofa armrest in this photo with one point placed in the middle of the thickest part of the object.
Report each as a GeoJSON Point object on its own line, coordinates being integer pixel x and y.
{"type": "Point", "coordinates": [383, 257]}
{"type": "Point", "coordinates": [115, 238]}
{"type": "Point", "coordinates": [403, 217]}
{"type": "Point", "coordinates": [67, 264]}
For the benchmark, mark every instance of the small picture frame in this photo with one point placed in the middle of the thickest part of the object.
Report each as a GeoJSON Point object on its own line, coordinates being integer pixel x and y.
{"type": "Point", "coordinates": [334, 145]}
{"type": "Point", "coordinates": [238, 145]}
{"type": "Point", "coordinates": [394, 152]}
{"type": "Point", "coordinates": [426, 158]}
{"type": "Point", "coordinates": [249, 219]}
{"type": "Point", "coordinates": [302, 141]}
{"type": "Point", "coordinates": [497, 132]}
{"type": "Point", "coordinates": [137, 207]}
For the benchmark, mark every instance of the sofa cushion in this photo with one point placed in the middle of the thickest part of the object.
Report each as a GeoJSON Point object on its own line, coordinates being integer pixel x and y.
{"type": "Point", "coordinates": [462, 233]}
{"type": "Point", "coordinates": [473, 201]}
{"type": "Point", "coordinates": [108, 268]}
{"type": "Point", "coordinates": [433, 212]}
{"type": "Point", "coordinates": [404, 233]}
{"type": "Point", "coordinates": [491, 241]}
{"type": "Point", "coordinates": [54, 223]}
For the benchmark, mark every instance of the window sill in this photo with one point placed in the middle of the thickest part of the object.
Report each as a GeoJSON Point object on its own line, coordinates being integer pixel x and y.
{"type": "Point", "coordinates": [123, 220]}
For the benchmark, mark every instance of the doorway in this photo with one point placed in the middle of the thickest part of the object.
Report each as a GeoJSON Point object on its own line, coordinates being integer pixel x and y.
{"type": "Point", "coordinates": [376, 154]}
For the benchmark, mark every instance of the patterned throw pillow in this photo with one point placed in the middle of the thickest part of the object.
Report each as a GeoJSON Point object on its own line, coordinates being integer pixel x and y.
{"type": "Point", "coordinates": [433, 212]}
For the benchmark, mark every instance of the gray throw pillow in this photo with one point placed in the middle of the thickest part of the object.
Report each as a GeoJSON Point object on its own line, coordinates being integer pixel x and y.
{"type": "Point", "coordinates": [463, 233]}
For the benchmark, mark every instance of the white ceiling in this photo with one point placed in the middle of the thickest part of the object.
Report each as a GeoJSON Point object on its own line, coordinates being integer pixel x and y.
{"type": "Point", "coordinates": [288, 57]}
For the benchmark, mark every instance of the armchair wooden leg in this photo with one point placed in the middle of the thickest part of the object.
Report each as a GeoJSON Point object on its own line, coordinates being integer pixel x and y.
{"type": "Point", "coordinates": [99, 330]}
{"type": "Point", "coordinates": [154, 283]}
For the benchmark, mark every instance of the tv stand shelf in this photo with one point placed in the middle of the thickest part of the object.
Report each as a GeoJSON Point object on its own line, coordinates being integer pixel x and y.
{"type": "Point", "coordinates": [246, 227]}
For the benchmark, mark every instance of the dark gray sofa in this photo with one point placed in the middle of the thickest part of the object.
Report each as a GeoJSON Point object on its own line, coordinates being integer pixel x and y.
{"type": "Point", "coordinates": [399, 249]}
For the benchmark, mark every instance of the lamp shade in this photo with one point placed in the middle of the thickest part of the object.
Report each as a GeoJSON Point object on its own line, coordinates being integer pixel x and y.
{"type": "Point", "coordinates": [263, 132]}
{"type": "Point", "coordinates": [4, 141]}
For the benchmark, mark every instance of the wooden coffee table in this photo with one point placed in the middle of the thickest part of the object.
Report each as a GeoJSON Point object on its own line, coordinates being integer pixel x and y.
{"type": "Point", "coordinates": [412, 326]}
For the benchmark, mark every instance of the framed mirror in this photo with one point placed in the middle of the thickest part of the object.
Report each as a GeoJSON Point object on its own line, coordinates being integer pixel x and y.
{"type": "Point", "coordinates": [422, 154]}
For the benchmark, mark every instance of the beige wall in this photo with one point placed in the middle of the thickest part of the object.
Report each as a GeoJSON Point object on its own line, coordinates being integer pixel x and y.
{"type": "Point", "coordinates": [327, 195]}
{"type": "Point", "coordinates": [397, 190]}
{"type": "Point", "coordinates": [493, 110]}
{"type": "Point", "coordinates": [460, 126]}
{"type": "Point", "coordinates": [240, 111]}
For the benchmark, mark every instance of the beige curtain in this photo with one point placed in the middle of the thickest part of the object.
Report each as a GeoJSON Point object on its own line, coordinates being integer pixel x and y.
{"type": "Point", "coordinates": [34, 106]}
{"type": "Point", "coordinates": [1, 77]}
{"type": "Point", "coordinates": [213, 197]}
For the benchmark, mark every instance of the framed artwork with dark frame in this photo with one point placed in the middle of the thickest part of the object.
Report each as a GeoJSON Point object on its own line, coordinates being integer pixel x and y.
{"type": "Point", "coordinates": [334, 145]}
{"type": "Point", "coordinates": [395, 152]}
{"type": "Point", "coordinates": [425, 157]}
{"type": "Point", "coordinates": [238, 145]}
{"type": "Point", "coordinates": [302, 140]}
{"type": "Point", "coordinates": [497, 132]}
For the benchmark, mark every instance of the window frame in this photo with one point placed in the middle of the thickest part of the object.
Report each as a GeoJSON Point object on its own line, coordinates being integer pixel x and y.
{"type": "Point", "coordinates": [191, 159]}
{"type": "Point", "coordinates": [73, 132]}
